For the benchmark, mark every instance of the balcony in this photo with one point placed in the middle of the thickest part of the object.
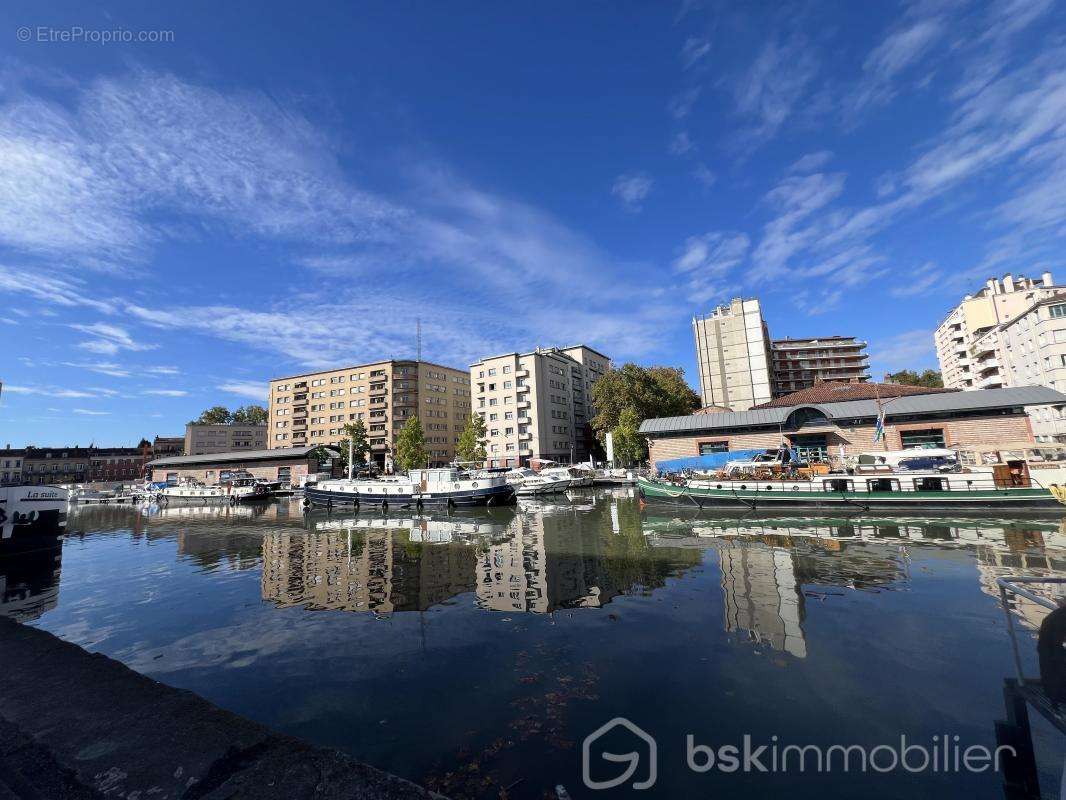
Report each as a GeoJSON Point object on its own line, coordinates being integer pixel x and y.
{"type": "Point", "coordinates": [993, 381]}
{"type": "Point", "coordinates": [381, 391]}
{"type": "Point", "coordinates": [526, 436]}
{"type": "Point", "coordinates": [987, 364]}
{"type": "Point", "coordinates": [521, 373]}
{"type": "Point", "coordinates": [522, 404]}
{"type": "Point", "coordinates": [521, 389]}
{"type": "Point", "coordinates": [300, 414]}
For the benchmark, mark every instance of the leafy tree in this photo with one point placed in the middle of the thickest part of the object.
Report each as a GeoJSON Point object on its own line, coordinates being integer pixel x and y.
{"type": "Point", "coordinates": [472, 441]}
{"type": "Point", "coordinates": [629, 445]}
{"type": "Point", "coordinates": [356, 433]}
{"type": "Point", "coordinates": [249, 415]}
{"type": "Point", "coordinates": [647, 391]}
{"type": "Point", "coordinates": [930, 378]}
{"type": "Point", "coordinates": [411, 446]}
{"type": "Point", "coordinates": [216, 415]}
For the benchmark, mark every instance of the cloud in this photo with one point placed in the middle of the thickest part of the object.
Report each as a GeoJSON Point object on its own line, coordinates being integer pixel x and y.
{"type": "Point", "coordinates": [103, 367]}
{"type": "Point", "coordinates": [912, 349]}
{"type": "Point", "coordinates": [681, 144]}
{"type": "Point", "coordinates": [705, 260]}
{"type": "Point", "coordinates": [773, 86]}
{"type": "Point", "coordinates": [796, 199]}
{"type": "Point", "coordinates": [50, 391]}
{"type": "Point", "coordinates": [693, 51]}
{"type": "Point", "coordinates": [812, 162]}
{"type": "Point", "coordinates": [705, 176]}
{"type": "Point", "coordinates": [631, 189]}
{"type": "Point", "coordinates": [253, 390]}
{"type": "Point", "coordinates": [110, 339]}
{"type": "Point", "coordinates": [923, 280]}
{"type": "Point", "coordinates": [166, 392]}
{"type": "Point", "coordinates": [680, 105]}
{"type": "Point", "coordinates": [90, 412]}
{"type": "Point", "coordinates": [162, 370]}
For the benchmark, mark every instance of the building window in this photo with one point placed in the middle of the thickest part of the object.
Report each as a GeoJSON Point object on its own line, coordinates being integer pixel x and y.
{"type": "Point", "coordinates": [925, 437]}
{"type": "Point", "coordinates": [706, 448]}
{"type": "Point", "coordinates": [1057, 311]}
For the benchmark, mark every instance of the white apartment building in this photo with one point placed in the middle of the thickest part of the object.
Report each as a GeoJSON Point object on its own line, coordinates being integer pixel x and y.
{"type": "Point", "coordinates": [537, 404]}
{"type": "Point", "coordinates": [1031, 350]}
{"type": "Point", "coordinates": [966, 341]}
{"type": "Point", "coordinates": [733, 354]}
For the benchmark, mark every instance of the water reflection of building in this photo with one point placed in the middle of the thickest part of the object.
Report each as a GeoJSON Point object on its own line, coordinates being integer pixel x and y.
{"type": "Point", "coordinates": [29, 582]}
{"type": "Point", "coordinates": [762, 595]}
{"type": "Point", "coordinates": [375, 570]}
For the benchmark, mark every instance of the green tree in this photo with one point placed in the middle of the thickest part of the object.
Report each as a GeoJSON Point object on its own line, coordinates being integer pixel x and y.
{"type": "Point", "coordinates": [216, 415]}
{"type": "Point", "coordinates": [249, 415]}
{"type": "Point", "coordinates": [647, 391]}
{"type": "Point", "coordinates": [411, 446]}
{"type": "Point", "coordinates": [355, 432]}
{"type": "Point", "coordinates": [471, 445]}
{"type": "Point", "coordinates": [629, 446]}
{"type": "Point", "coordinates": [930, 378]}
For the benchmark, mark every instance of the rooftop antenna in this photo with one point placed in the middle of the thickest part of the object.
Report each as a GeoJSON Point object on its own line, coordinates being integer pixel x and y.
{"type": "Point", "coordinates": [418, 336]}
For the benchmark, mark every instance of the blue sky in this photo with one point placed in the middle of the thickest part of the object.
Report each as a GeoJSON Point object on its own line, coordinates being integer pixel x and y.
{"type": "Point", "coordinates": [285, 186]}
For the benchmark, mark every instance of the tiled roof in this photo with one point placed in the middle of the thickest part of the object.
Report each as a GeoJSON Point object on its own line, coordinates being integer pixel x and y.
{"type": "Point", "coordinates": [839, 392]}
{"type": "Point", "coordinates": [928, 403]}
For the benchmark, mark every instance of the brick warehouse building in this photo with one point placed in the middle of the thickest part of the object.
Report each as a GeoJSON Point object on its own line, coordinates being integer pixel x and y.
{"type": "Point", "coordinates": [820, 429]}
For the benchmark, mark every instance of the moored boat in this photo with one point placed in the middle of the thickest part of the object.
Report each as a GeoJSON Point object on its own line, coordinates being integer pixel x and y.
{"type": "Point", "coordinates": [445, 486]}
{"type": "Point", "coordinates": [29, 511]}
{"type": "Point", "coordinates": [528, 483]}
{"type": "Point", "coordinates": [905, 491]}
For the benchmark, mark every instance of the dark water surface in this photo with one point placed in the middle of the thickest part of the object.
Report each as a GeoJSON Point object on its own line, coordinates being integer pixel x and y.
{"type": "Point", "coordinates": [474, 652]}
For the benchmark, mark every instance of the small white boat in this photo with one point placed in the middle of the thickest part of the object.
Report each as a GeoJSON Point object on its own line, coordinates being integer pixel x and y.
{"type": "Point", "coordinates": [528, 483]}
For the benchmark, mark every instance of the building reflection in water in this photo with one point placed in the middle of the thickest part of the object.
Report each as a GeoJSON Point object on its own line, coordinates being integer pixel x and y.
{"type": "Point", "coordinates": [535, 560]}
{"type": "Point", "coordinates": [29, 579]}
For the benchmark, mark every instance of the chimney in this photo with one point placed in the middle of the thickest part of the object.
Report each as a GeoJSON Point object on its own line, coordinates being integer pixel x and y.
{"type": "Point", "coordinates": [993, 286]}
{"type": "Point", "coordinates": [1008, 283]}
{"type": "Point", "coordinates": [1046, 279]}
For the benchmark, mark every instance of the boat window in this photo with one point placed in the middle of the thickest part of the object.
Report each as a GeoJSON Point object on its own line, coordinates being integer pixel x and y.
{"type": "Point", "coordinates": [882, 485]}
{"type": "Point", "coordinates": [838, 485]}
{"type": "Point", "coordinates": [928, 484]}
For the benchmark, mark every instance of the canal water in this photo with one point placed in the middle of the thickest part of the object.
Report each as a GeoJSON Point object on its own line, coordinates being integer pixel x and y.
{"type": "Point", "coordinates": [475, 652]}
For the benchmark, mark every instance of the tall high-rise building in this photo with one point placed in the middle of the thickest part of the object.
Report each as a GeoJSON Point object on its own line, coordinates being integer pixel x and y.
{"type": "Point", "coordinates": [967, 339]}
{"type": "Point", "coordinates": [733, 354]}
{"type": "Point", "coordinates": [800, 363]}
{"type": "Point", "coordinates": [313, 408]}
{"type": "Point", "coordinates": [537, 404]}
{"type": "Point", "coordinates": [741, 367]}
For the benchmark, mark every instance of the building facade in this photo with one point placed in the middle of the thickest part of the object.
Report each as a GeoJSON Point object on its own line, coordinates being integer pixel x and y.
{"type": "Point", "coordinates": [168, 446]}
{"type": "Point", "coordinates": [287, 465]}
{"type": "Point", "coordinates": [11, 465]}
{"type": "Point", "coordinates": [800, 363]}
{"type": "Point", "coordinates": [733, 356]}
{"type": "Point", "coordinates": [46, 465]}
{"type": "Point", "coordinates": [203, 439]}
{"type": "Point", "coordinates": [117, 464]}
{"type": "Point", "coordinates": [313, 408]}
{"type": "Point", "coordinates": [966, 341]}
{"type": "Point", "coordinates": [828, 430]}
{"type": "Point", "coordinates": [741, 367]}
{"type": "Point", "coordinates": [537, 405]}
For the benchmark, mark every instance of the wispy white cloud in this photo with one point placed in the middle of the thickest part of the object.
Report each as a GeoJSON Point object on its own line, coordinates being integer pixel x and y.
{"type": "Point", "coordinates": [166, 392]}
{"type": "Point", "coordinates": [103, 367]}
{"type": "Point", "coordinates": [705, 176]}
{"type": "Point", "coordinates": [693, 51]}
{"type": "Point", "coordinates": [680, 143]}
{"type": "Point", "coordinates": [680, 105]}
{"type": "Point", "coordinates": [90, 412]}
{"type": "Point", "coordinates": [632, 188]}
{"type": "Point", "coordinates": [164, 370]}
{"type": "Point", "coordinates": [253, 390]}
{"type": "Point", "coordinates": [705, 260]}
{"type": "Point", "coordinates": [773, 86]}
{"type": "Point", "coordinates": [913, 349]}
{"type": "Point", "coordinates": [811, 162]}
{"type": "Point", "coordinates": [920, 282]}
{"type": "Point", "coordinates": [108, 339]}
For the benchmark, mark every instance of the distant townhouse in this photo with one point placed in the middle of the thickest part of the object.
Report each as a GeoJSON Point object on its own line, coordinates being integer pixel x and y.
{"type": "Point", "coordinates": [11, 465]}
{"type": "Point", "coordinates": [45, 465]}
{"type": "Point", "coordinates": [117, 463]}
{"type": "Point", "coordinates": [313, 408]}
{"type": "Point", "coordinates": [538, 405]}
{"type": "Point", "coordinates": [204, 439]}
{"type": "Point", "coordinates": [168, 446]}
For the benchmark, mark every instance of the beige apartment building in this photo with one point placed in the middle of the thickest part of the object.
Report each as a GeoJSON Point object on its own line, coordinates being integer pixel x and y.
{"type": "Point", "coordinates": [966, 341]}
{"type": "Point", "coordinates": [798, 364]}
{"type": "Point", "coordinates": [313, 408]}
{"type": "Point", "coordinates": [204, 439]}
{"type": "Point", "coordinates": [537, 404]}
{"type": "Point", "coordinates": [733, 355]}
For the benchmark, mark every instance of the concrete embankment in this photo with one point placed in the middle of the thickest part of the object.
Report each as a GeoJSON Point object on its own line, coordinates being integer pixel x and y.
{"type": "Point", "coordinates": [78, 725]}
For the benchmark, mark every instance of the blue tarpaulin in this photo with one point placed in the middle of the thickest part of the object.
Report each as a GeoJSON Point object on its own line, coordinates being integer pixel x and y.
{"type": "Point", "coordinates": [713, 461]}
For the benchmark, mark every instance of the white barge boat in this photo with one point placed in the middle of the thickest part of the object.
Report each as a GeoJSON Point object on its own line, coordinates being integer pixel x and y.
{"type": "Point", "coordinates": [31, 511]}
{"type": "Point", "coordinates": [445, 486]}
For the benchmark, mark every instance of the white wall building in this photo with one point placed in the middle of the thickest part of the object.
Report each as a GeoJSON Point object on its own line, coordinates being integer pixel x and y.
{"type": "Point", "coordinates": [733, 354]}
